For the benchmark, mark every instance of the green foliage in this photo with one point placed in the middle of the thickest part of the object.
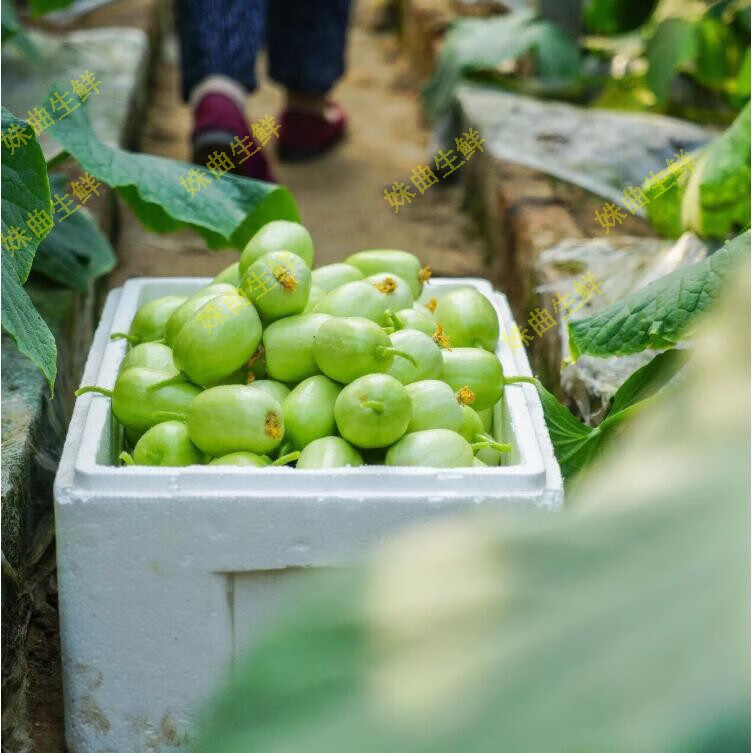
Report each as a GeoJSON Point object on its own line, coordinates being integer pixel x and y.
{"type": "Point", "coordinates": [9, 23]}
{"type": "Point", "coordinates": [710, 47]}
{"type": "Point", "coordinates": [616, 16]}
{"type": "Point", "coordinates": [648, 380]}
{"type": "Point", "coordinates": [688, 59]}
{"type": "Point", "coordinates": [656, 317]}
{"type": "Point", "coordinates": [25, 189]}
{"type": "Point", "coordinates": [24, 324]}
{"type": "Point", "coordinates": [662, 313]}
{"type": "Point", "coordinates": [226, 213]}
{"type": "Point", "coordinates": [75, 251]}
{"type": "Point", "coordinates": [575, 444]}
{"type": "Point", "coordinates": [743, 77]}
{"type": "Point", "coordinates": [473, 46]}
{"type": "Point", "coordinates": [13, 29]}
{"type": "Point", "coordinates": [713, 199]}
{"type": "Point", "coordinates": [718, 52]}
{"type": "Point", "coordinates": [40, 7]}
{"type": "Point", "coordinates": [672, 45]}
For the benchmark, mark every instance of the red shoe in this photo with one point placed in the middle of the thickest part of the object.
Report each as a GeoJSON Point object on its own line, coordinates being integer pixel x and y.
{"type": "Point", "coordinates": [217, 122]}
{"type": "Point", "coordinates": [305, 135]}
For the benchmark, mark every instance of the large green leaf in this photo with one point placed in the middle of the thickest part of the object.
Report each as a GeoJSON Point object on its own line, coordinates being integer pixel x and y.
{"type": "Point", "coordinates": [76, 251]}
{"type": "Point", "coordinates": [26, 191]}
{"type": "Point", "coordinates": [475, 45]}
{"type": "Point", "coordinates": [24, 324]}
{"type": "Point", "coordinates": [672, 44]}
{"type": "Point", "coordinates": [663, 312]}
{"type": "Point", "coordinates": [575, 444]}
{"type": "Point", "coordinates": [227, 212]}
{"type": "Point", "coordinates": [649, 379]}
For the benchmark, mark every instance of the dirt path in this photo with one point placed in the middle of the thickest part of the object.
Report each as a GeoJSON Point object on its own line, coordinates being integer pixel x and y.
{"type": "Point", "coordinates": [340, 195]}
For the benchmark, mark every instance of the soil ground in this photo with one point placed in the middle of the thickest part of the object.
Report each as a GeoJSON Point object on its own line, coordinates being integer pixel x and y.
{"type": "Point", "coordinates": [342, 203]}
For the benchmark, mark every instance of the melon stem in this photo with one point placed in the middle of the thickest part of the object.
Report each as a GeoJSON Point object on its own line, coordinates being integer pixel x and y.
{"type": "Point", "coordinates": [395, 352]}
{"type": "Point", "coordinates": [285, 459]}
{"type": "Point", "coordinates": [519, 379]}
{"type": "Point", "coordinates": [132, 339]}
{"type": "Point", "coordinates": [93, 388]}
{"type": "Point", "coordinates": [489, 441]}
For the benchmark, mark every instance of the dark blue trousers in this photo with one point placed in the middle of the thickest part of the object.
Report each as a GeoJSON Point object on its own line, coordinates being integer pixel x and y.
{"type": "Point", "coordinates": [305, 41]}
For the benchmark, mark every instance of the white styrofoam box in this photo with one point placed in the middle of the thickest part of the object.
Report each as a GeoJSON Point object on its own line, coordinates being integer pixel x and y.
{"type": "Point", "coordinates": [166, 573]}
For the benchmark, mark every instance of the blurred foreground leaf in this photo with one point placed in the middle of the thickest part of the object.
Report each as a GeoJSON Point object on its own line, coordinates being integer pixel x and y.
{"type": "Point", "coordinates": [621, 625]}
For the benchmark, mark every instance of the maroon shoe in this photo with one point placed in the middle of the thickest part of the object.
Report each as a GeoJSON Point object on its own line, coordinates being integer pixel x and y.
{"type": "Point", "coordinates": [217, 122]}
{"type": "Point", "coordinates": [305, 135]}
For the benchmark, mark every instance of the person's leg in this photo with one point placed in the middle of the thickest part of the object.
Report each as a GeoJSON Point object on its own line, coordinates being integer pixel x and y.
{"type": "Point", "coordinates": [219, 41]}
{"type": "Point", "coordinates": [306, 49]}
{"type": "Point", "coordinates": [219, 37]}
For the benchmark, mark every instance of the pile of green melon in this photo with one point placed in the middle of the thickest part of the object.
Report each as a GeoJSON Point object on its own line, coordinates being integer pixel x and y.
{"type": "Point", "coordinates": [275, 364]}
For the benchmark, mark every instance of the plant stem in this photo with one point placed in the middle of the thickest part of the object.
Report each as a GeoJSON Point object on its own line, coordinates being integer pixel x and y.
{"type": "Point", "coordinates": [285, 459]}
{"type": "Point", "coordinates": [391, 321]}
{"type": "Point", "coordinates": [132, 339]}
{"type": "Point", "coordinates": [493, 443]}
{"type": "Point", "coordinates": [401, 353]}
{"type": "Point", "coordinates": [93, 388]}
{"type": "Point", "coordinates": [376, 405]}
{"type": "Point", "coordinates": [286, 447]}
{"type": "Point", "coordinates": [126, 458]}
{"type": "Point", "coordinates": [516, 380]}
